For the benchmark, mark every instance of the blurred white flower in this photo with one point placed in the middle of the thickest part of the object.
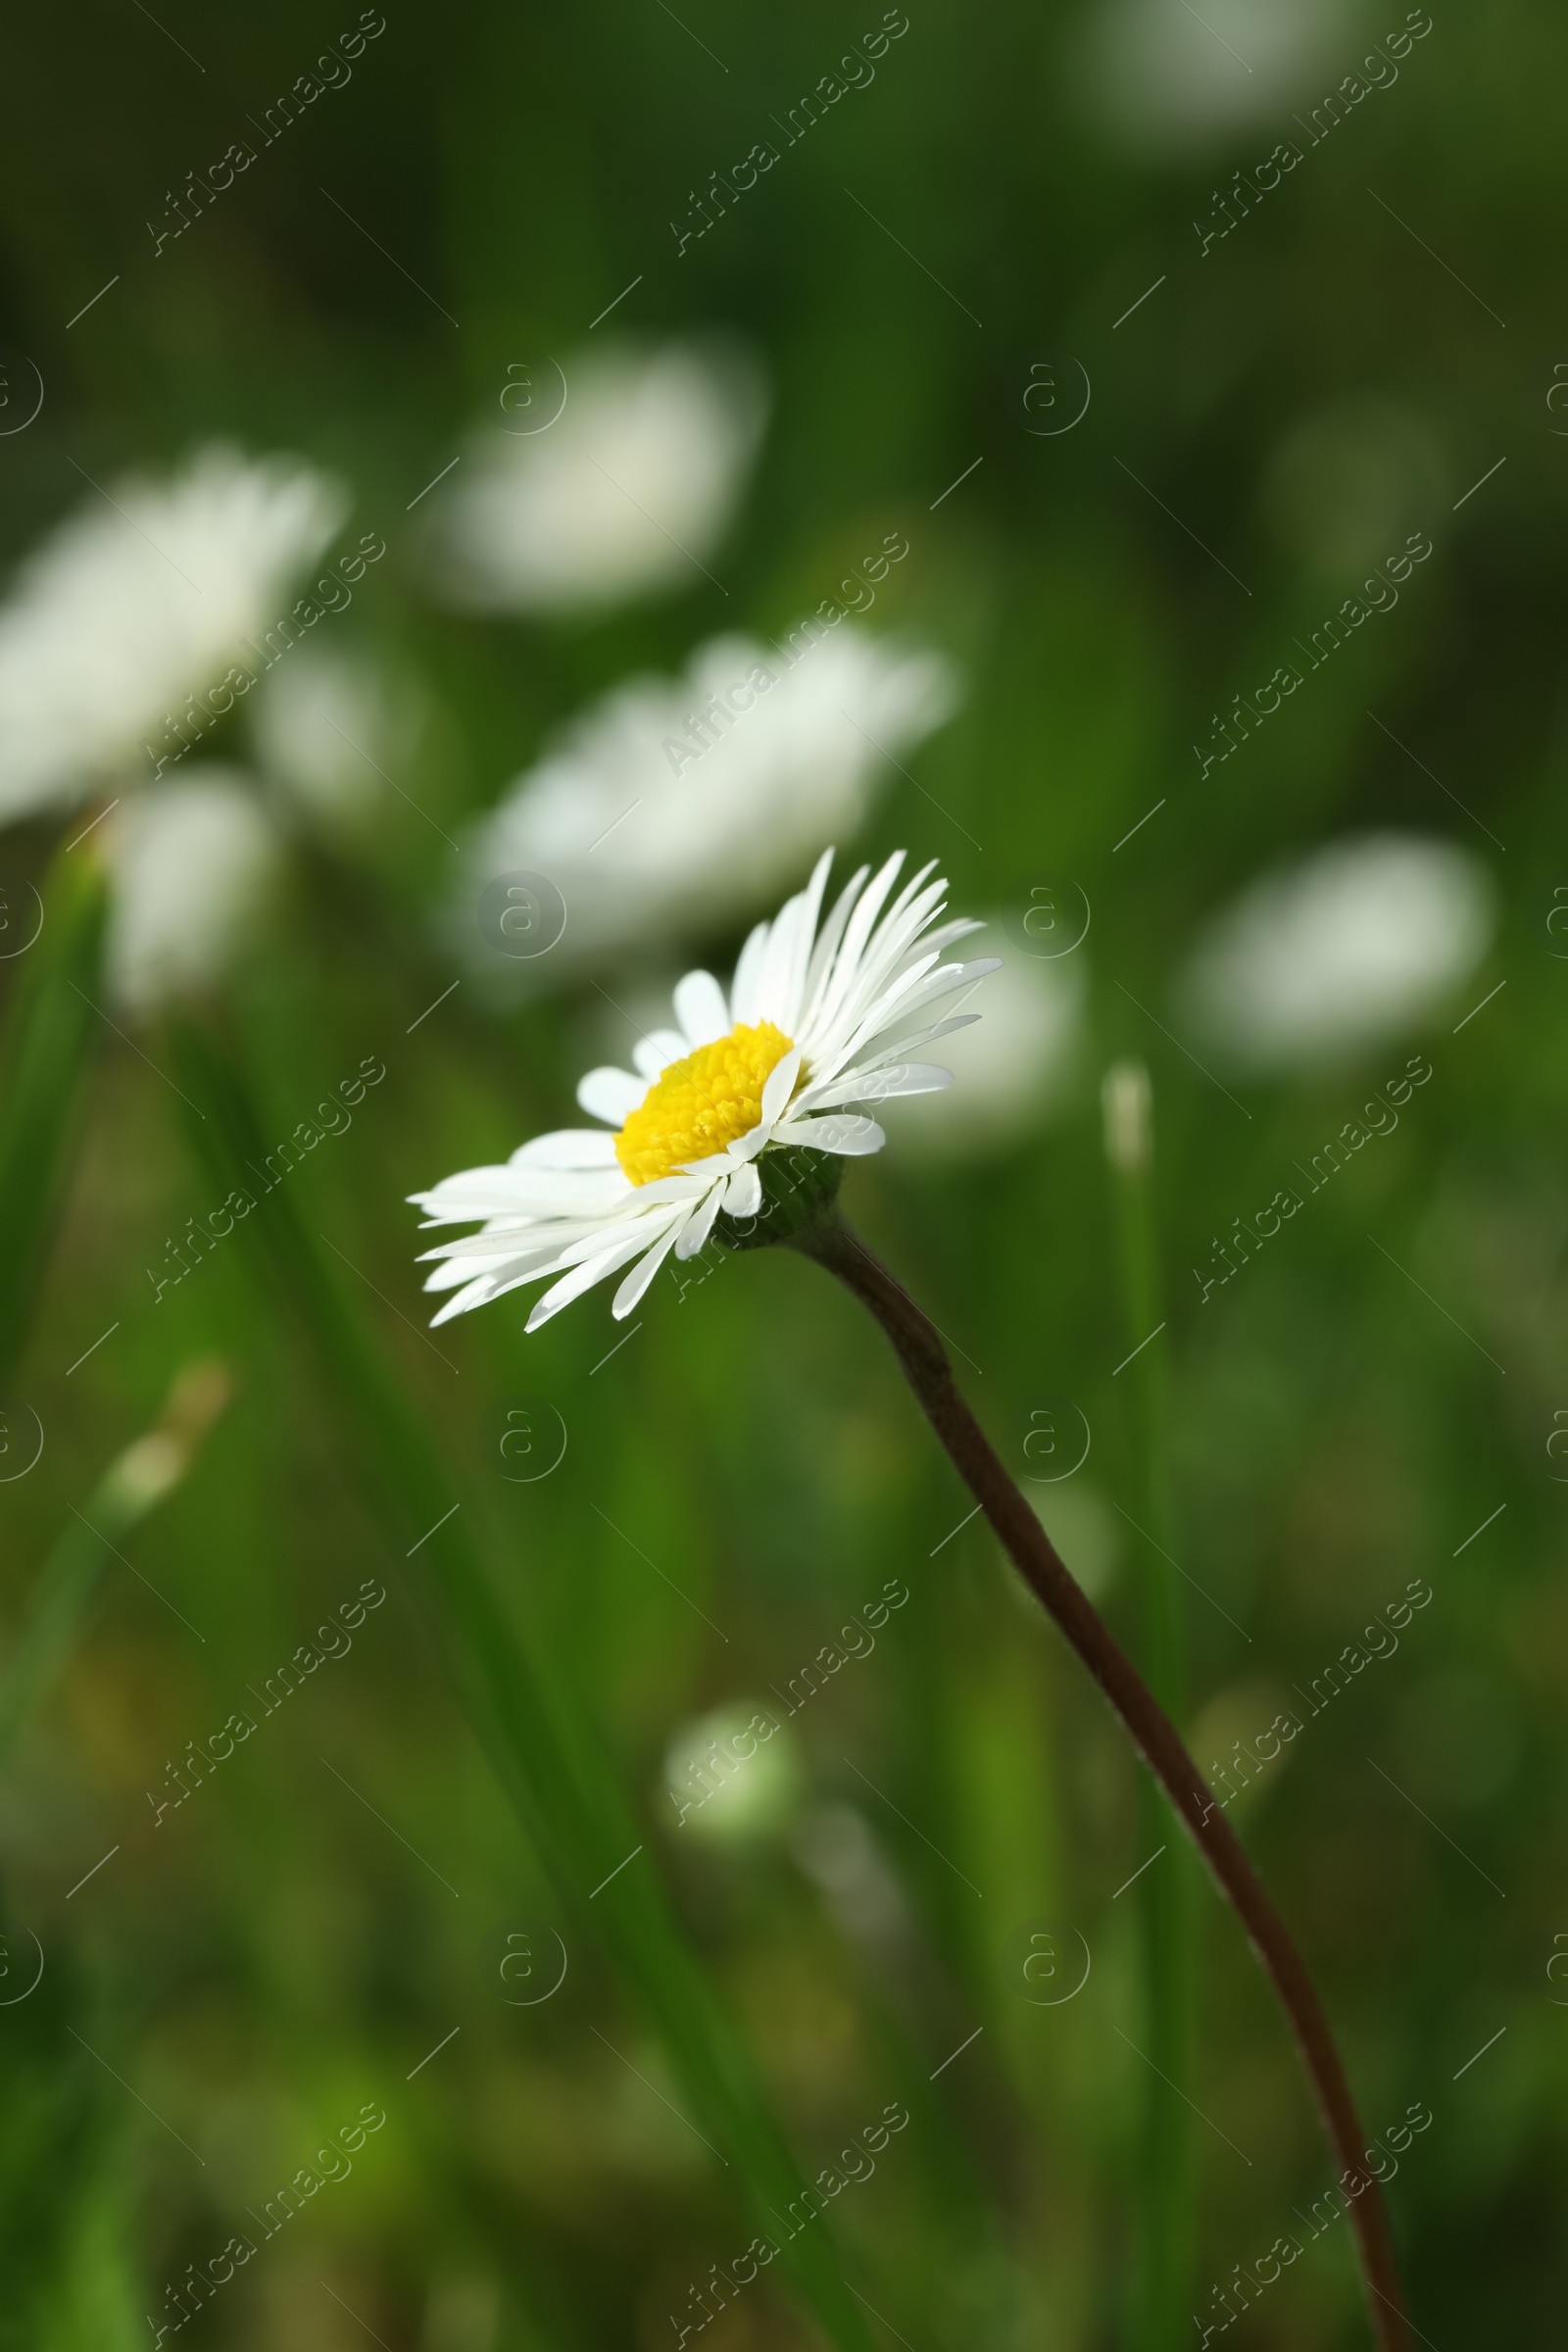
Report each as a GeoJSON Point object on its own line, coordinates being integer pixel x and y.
{"type": "Point", "coordinates": [1354, 945]}
{"type": "Point", "coordinates": [143, 597]}
{"type": "Point", "coordinates": [193, 864]}
{"type": "Point", "coordinates": [1168, 76]}
{"type": "Point", "coordinates": [837, 1848]}
{"type": "Point", "coordinates": [322, 724]}
{"type": "Point", "coordinates": [727, 1783]}
{"type": "Point", "coordinates": [1009, 1069]}
{"type": "Point", "coordinates": [627, 492]}
{"type": "Point", "coordinates": [648, 837]}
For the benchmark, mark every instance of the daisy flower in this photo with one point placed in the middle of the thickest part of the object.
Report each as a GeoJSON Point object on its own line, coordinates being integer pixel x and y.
{"type": "Point", "coordinates": [139, 599]}
{"type": "Point", "coordinates": [1324, 960]}
{"type": "Point", "coordinates": [194, 865]}
{"type": "Point", "coordinates": [816, 1019]}
{"type": "Point", "coordinates": [132, 608]}
{"type": "Point", "coordinates": [327, 725]}
{"type": "Point", "coordinates": [1159, 74]}
{"type": "Point", "coordinates": [648, 836]}
{"type": "Point", "coordinates": [626, 494]}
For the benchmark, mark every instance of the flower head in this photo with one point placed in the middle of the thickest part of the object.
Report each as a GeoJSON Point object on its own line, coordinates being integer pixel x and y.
{"type": "Point", "coordinates": [621, 496]}
{"type": "Point", "coordinates": [818, 1016]}
{"type": "Point", "coordinates": [729, 1791]}
{"type": "Point", "coordinates": [327, 725]}
{"type": "Point", "coordinates": [193, 866]}
{"type": "Point", "coordinates": [1354, 945]}
{"type": "Point", "coordinates": [137, 601]}
{"type": "Point", "coordinates": [674, 802]}
{"type": "Point", "coordinates": [1169, 78]}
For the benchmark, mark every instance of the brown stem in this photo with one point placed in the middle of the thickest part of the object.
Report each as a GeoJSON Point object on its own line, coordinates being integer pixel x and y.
{"type": "Point", "coordinates": [831, 1242]}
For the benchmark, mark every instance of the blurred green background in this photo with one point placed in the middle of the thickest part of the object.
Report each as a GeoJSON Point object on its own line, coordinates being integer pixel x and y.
{"type": "Point", "coordinates": [1279, 413]}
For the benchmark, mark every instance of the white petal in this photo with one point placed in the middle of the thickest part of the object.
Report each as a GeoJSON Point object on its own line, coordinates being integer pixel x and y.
{"type": "Point", "coordinates": [839, 1040]}
{"type": "Point", "coordinates": [911, 891]}
{"type": "Point", "coordinates": [702, 1224]}
{"type": "Point", "coordinates": [846, 961]}
{"type": "Point", "coordinates": [567, 1148]}
{"type": "Point", "coordinates": [945, 934]}
{"type": "Point", "coordinates": [748, 973]}
{"type": "Point", "coordinates": [463, 1303]}
{"type": "Point", "coordinates": [475, 1180]}
{"type": "Point", "coordinates": [792, 990]}
{"type": "Point", "coordinates": [895, 943]}
{"type": "Point", "coordinates": [885, 1053]}
{"type": "Point", "coordinates": [583, 1277]}
{"type": "Point", "coordinates": [877, 1086]}
{"type": "Point", "coordinates": [773, 985]}
{"type": "Point", "coordinates": [833, 1076]}
{"type": "Point", "coordinates": [637, 1281]}
{"type": "Point", "coordinates": [611, 1095]}
{"type": "Point", "coordinates": [553, 1243]}
{"type": "Point", "coordinates": [949, 976]}
{"type": "Point", "coordinates": [524, 1193]}
{"type": "Point", "coordinates": [903, 1001]}
{"type": "Point", "coordinates": [745, 1147]}
{"type": "Point", "coordinates": [548, 1242]}
{"type": "Point", "coordinates": [479, 1292]}
{"type": "Point", "coordinates": [842, 1132]}
{"type": "Point", "coordinates": [686, 1184]}
{"type": "Point", "coordinates": [780, 1086]}
{"type": "Point", "coordinates": [827, 942]}
{"type": "Point", "coordinates": [658, 1050]}
{"type": "Point", "coordinates": [453, 1271]}
{"type": "Point", "coordinates": [743, 1194]}
{"type": "Point", "coordinates": [701, 1010]}
{"type": "Point", "coordinates": [890, 946]}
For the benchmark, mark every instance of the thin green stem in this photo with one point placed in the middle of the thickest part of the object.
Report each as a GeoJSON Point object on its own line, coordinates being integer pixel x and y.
{"type": "Point", "coordinates": [132, 1486]}
{"type": "Point", "coordinates": [921, 1355]}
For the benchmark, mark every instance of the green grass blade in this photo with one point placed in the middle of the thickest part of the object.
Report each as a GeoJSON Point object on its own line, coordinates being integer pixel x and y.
{"type": "Point", "coordinates": [48, 1044]}
{"type": "Point", "coordinates": [134, 1484]}
{"type": "Point", "coordinates": [1164, 2272]}
{"type": "Point", "coordinates": [554, 1770]}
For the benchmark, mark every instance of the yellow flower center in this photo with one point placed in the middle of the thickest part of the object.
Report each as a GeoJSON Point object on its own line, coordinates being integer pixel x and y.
{"type": "Point", "coordinates": [702, 1104]}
